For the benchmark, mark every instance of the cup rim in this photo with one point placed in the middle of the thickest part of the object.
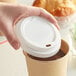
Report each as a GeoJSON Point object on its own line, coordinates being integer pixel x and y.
{"type": "Point", "coordinates": [38, 59]}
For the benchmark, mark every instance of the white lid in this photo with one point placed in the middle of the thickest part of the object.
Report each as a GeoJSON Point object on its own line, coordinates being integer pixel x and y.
{"type": "Point", "coordinates": [38, 37]}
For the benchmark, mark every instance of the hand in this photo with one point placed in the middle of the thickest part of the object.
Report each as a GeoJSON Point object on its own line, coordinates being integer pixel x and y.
{"type": "Point", "coordinates": [10, 14]}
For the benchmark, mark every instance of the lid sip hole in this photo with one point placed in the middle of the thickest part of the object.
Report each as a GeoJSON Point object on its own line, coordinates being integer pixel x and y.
{"type": "Point", "coordinates": [48, 45]}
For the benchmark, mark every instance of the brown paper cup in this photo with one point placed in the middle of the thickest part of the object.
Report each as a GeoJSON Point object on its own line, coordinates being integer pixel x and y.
{"type": "Point", "coordinates": [49, 66]}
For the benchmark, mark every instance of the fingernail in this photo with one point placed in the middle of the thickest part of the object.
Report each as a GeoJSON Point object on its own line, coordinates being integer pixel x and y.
{"type": "Point", "coordinates": [16, 45]}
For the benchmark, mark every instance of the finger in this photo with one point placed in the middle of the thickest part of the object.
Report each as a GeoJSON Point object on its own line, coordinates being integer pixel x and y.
{"type": "Point", "coordinates": [49, 17]}
{"type": "Point", "coordinates": [35, 11]}
{"type": "Point", "coordinates": [26, 11]}
{"type": "Point", "coordinates": [10, 35]}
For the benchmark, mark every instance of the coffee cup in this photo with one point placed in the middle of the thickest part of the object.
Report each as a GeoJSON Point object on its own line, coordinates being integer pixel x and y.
{"type": "Point", "coordinates": [52, 66]}
{"type": "Point", "coordinates": [46, 54]}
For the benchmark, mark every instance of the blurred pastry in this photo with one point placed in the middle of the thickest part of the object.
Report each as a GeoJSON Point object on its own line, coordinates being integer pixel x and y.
{"type": "Point", "coordinates": [74, 1]}
{"type": "Point", "coordinates": [57, 7]}
{"type": "Point", "coordinates": [40, 3]}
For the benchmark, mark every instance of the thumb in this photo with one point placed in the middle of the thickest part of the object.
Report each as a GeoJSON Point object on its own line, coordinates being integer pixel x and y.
{"type": "Point", "coordinates": [11, 37]}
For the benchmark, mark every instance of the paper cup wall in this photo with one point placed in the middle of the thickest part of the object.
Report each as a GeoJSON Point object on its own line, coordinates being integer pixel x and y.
{"type": "Point", "coordinates": [56, 67]}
